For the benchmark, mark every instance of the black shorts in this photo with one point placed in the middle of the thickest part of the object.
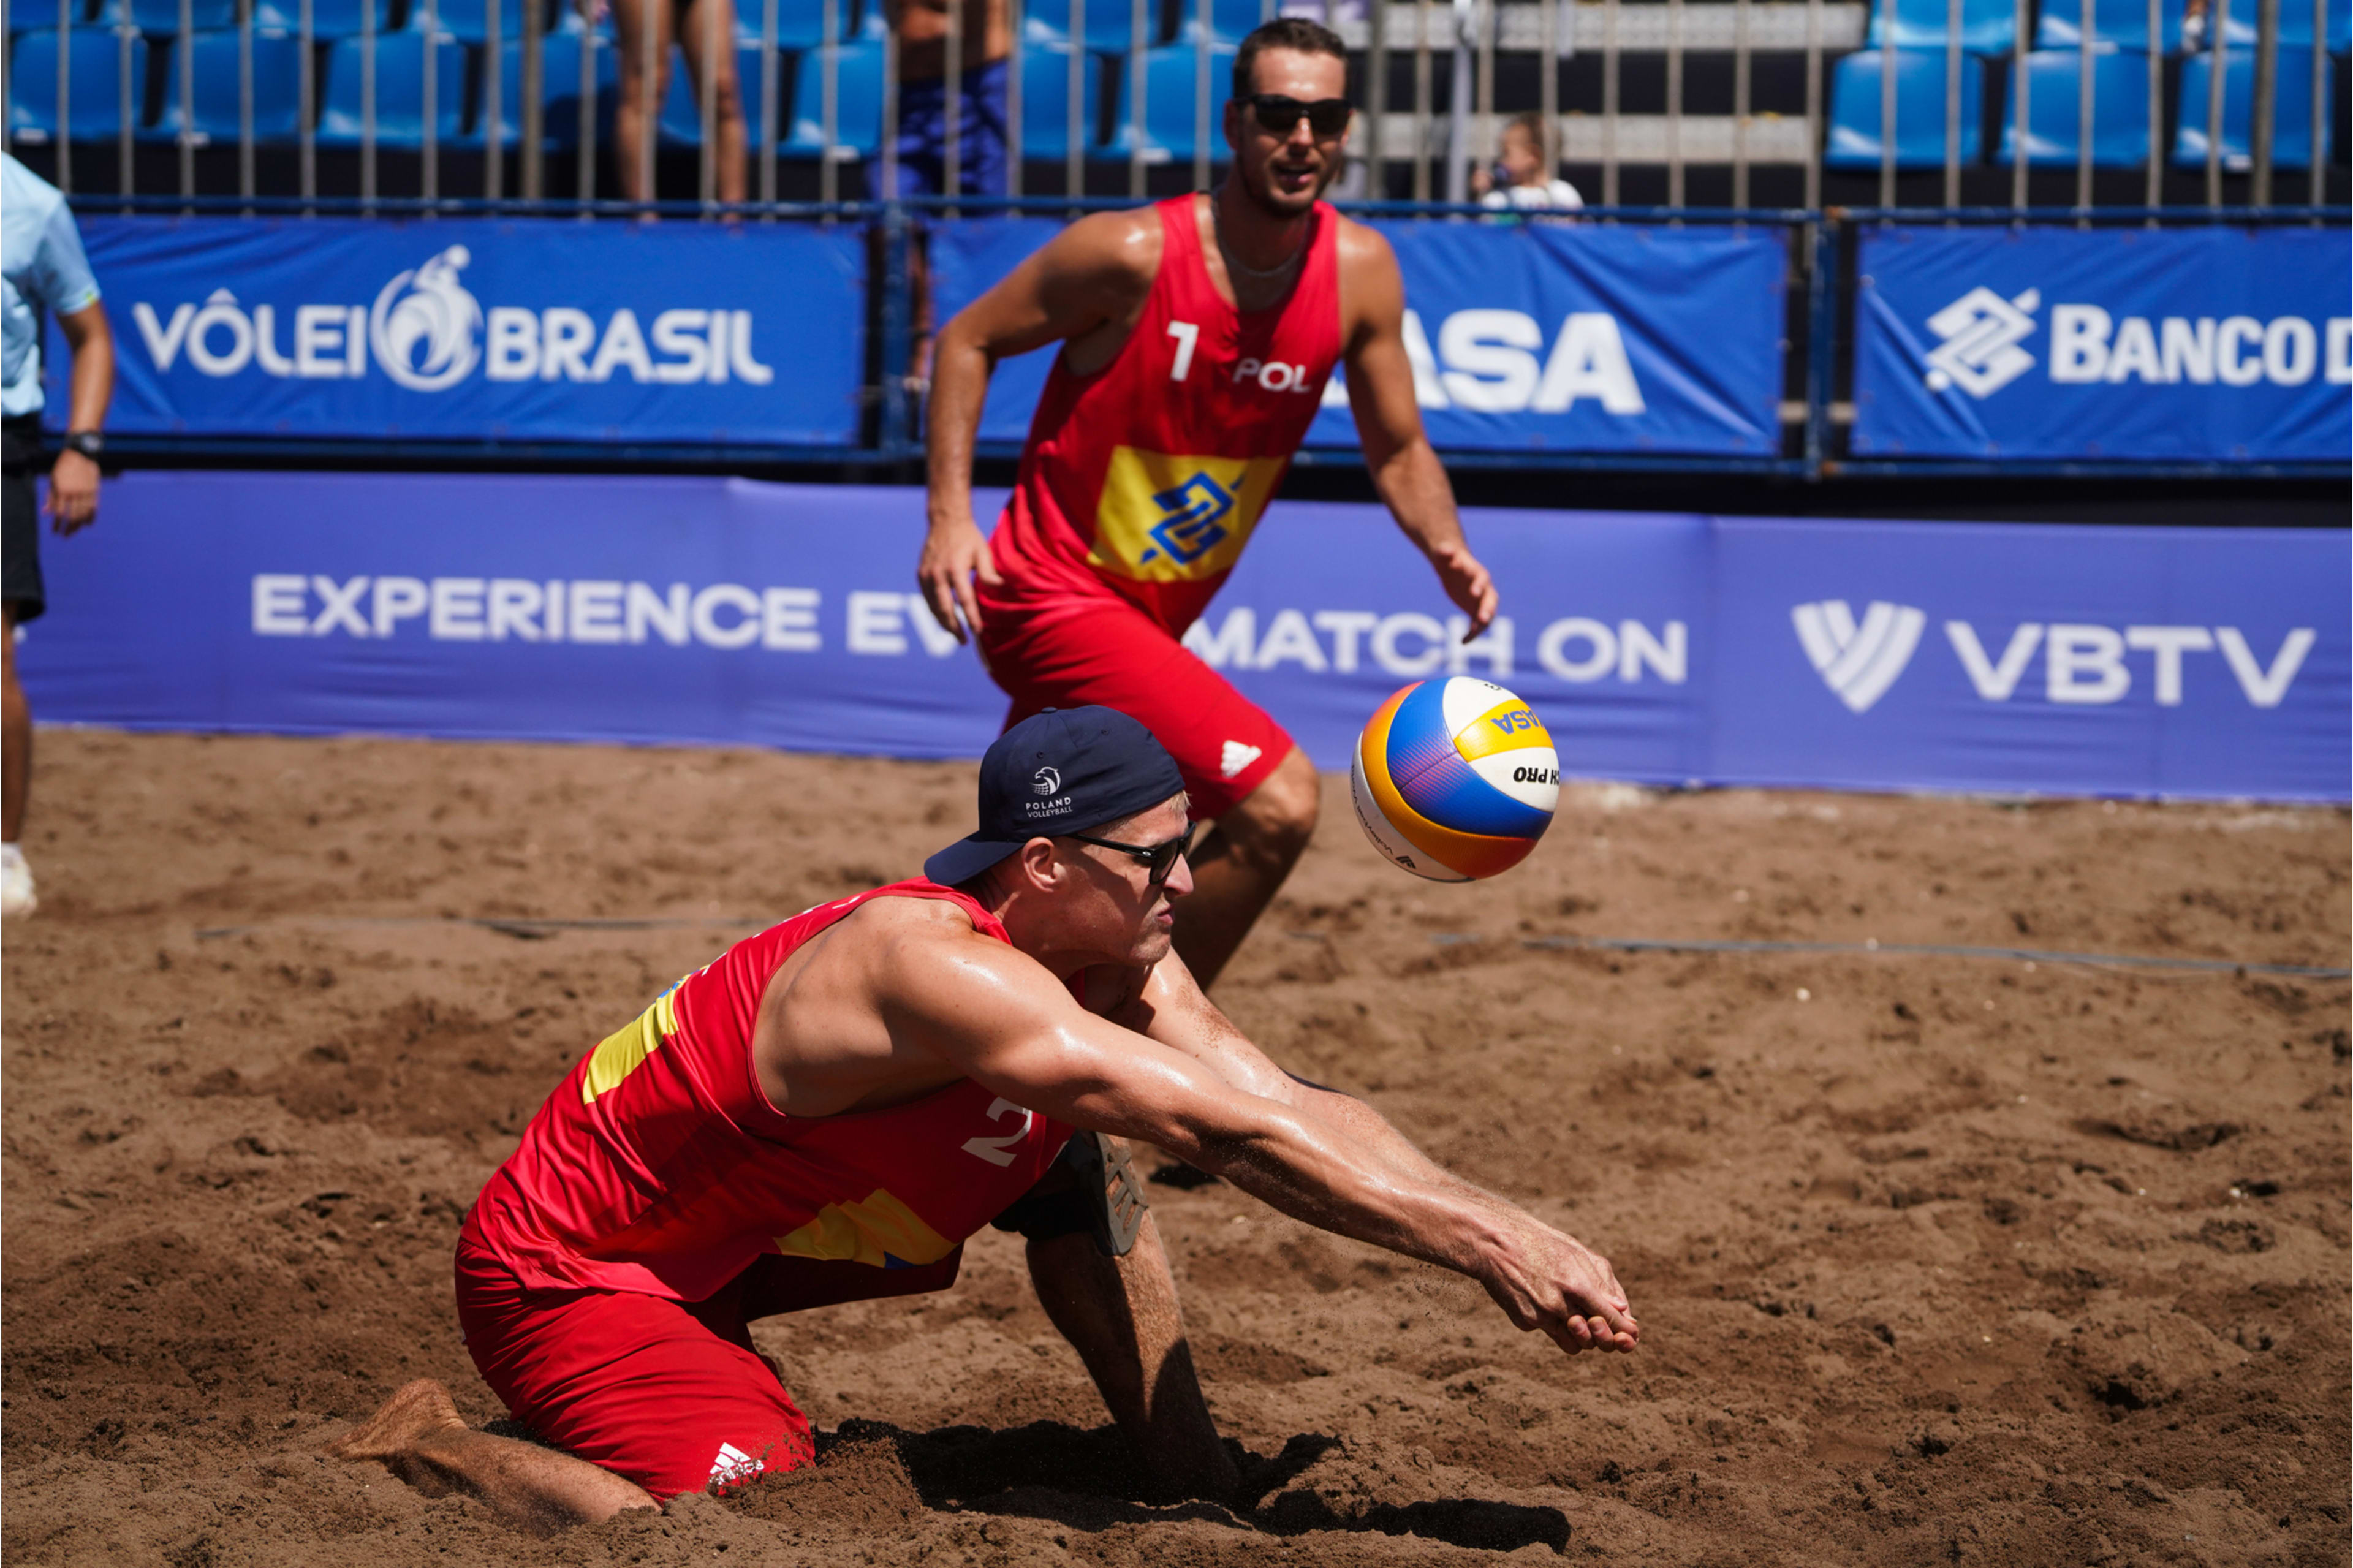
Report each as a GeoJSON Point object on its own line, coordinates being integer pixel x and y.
{"type": "Point", "coordinates": [20, 516]}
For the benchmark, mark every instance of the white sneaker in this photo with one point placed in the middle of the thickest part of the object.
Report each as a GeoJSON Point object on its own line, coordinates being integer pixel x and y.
{"type": "Point", "coordinates": [16, 883]}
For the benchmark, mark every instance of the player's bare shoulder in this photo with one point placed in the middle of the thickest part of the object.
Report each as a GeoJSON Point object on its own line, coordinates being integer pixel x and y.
{"type": "Point", "coordinates": [1117, 252]}
{"type": "Point", "coordinates": [1372, 291]}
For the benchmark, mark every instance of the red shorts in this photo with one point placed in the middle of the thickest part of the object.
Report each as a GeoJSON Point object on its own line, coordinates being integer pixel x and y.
{"type": "Point", "coordinates": [1114, 655]}
{"type": "Point", "coordinates": [669, 1394]}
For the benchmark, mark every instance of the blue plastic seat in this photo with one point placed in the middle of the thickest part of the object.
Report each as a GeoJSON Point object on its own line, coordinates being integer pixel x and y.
{"type": "Point", "coordinates": [1169, 75]}
{"type": "Point", "coordinates": [2295, 25]}
{"type": "Point", "coordinates": [1987, 26]}
{"type": "Point", "coordinates": [469, 21]}
{"type": "Point", "coordinates": [681, 117]}
{"type": "Point", "coordinates": [329, 19]}
{"type": "Point", "coordinates": [277, 91]}
{"type": "Point", "coordinates": [399, 93]}
{"type": "Point", "coordinates": [559, 65]}
{"type": "Point", "coordinates": [2120, 131]}
{"type": "Point", "coordinates": [1110, 24]}
{"type": "Point", "coordinates": [2291, 121]}
{"type": "Point", "coordinates": [161, 18]}
{"type": "Point", "coordinates": [2115, 25]}
{"type": "Point", "coordinates": [1229, 20]}
{"type": "Point", "coordinates": [800, 23]}
{"type": "Point", "coordinates": [1046, 100]}
{"type": "Point", "coordinates": [1854, 139]}
{"type": "Point", "coordinates": [97, 85]}
{"type": "Point", "coordinates": [858, 104]}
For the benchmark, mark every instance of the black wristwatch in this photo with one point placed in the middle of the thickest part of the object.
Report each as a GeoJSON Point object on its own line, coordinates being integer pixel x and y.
{"type": "Point", "coordinates": [89, 443]}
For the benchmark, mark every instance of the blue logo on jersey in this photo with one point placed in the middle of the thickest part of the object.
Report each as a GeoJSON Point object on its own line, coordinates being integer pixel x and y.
{"type": "Point", "coordinates": [1192, 528]}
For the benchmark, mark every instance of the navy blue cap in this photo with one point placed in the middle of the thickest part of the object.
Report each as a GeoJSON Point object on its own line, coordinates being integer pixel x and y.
{"type": "Point", "coordinates": [1066, 770]}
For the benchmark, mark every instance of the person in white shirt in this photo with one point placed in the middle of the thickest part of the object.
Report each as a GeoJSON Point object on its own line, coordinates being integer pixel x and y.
{"type": "Point", "coordinates": [42, 268]}
{"type": "Point", "coordinates": [1522, 175]}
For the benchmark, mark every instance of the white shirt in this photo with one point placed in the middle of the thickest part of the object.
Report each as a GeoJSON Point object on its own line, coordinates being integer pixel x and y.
{"type": "Point", "coordinates": [1558, 195]}
{"type": "Point", "coordinates": [41, 264]}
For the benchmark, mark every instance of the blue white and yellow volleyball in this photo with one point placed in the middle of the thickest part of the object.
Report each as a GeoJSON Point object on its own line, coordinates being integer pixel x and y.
{"type": "Point", "coordinates": [1455, 778]}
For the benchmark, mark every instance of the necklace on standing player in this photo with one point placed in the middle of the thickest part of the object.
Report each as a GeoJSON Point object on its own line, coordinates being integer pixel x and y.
{"type": "Point", "coordinates": [1217, 229]}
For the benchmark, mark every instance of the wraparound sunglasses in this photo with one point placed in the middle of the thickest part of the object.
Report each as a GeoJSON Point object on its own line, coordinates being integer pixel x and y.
{"type": "Point", "coordinates": [1160, 860]}
{"type": "Point", "coordinates": [1278, 114]}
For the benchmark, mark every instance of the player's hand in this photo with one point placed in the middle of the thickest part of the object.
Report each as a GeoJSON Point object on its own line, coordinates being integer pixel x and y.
{"type": "Point", "coordinates": [73, 493]}
{"type": "Point", "coordinates": [1467, 583]}
{"type": "Point", "coordinates": [1556, 1283]}
{"type": "Point", "coordinates": [953, 552]}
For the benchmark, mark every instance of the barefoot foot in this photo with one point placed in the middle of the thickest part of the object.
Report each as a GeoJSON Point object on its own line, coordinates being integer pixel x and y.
{"type": "Point", "coordinates": [415, 1411]}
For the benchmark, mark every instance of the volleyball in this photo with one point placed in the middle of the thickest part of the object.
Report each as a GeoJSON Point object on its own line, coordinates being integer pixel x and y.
{"type": "Point", "coordinates": [1455, 780]}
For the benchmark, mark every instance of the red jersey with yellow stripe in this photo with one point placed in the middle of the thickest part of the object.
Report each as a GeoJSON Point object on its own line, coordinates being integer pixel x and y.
{"type": "Point", "coordinates": [1145, 480]}
{"type": "Point", "coordinates": [661, 1167]}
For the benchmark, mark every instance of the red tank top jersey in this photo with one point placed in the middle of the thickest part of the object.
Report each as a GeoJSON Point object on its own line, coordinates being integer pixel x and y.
{"type": "Point", "coordinates": [661, 1167]}
{"type": "Point", "coordinates": [1145, 480]}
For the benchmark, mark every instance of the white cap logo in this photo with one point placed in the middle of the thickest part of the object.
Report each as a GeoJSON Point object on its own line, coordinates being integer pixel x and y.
{"type": "Point", "coordinates": [1046, 781]}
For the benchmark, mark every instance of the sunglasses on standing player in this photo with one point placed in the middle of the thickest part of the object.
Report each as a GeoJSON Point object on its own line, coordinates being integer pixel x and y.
{"type": "Point", "coordinates": [1160, 860]}
{"type": "Point", "coordinates": [1276, 114]}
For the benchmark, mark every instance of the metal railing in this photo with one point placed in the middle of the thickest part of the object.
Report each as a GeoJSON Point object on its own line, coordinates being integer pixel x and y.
{"type": "Point", "coordinates": [1795, 124]}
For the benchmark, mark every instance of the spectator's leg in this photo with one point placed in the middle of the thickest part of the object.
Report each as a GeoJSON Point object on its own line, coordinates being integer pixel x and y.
{"type": "Point", "coordinates": [697, 25]}
{"type": "Point", "coordinates": [643, 84]}
{"type": "Point", "coordinates": [15, 733]}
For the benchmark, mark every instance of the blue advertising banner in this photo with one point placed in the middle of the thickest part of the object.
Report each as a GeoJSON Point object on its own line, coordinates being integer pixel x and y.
{"type": "Point", "coordinates": [482, 329]}
{"type": "Point", "coordinates": [2188, 345]}
{"type": "Point", "coordinates": [1524, 337]}
{"type": "Point", "coordinates": [1669, 648]}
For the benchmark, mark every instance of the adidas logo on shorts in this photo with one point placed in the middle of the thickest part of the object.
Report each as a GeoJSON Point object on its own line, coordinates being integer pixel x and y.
{"type": "Point", "coordinates": [1236, 758]}
{"type": "Point", "coordinates": [733, 1465]}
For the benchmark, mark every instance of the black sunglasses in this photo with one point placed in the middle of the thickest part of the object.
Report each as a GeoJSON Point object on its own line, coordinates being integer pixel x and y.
{"type": "Point", "coordinates": [1160, 858]}
{"type": "Point", "coordinates": [1278, 114]}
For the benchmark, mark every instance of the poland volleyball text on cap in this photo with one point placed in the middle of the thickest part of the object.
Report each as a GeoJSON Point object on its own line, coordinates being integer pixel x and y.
{"type": "Point", "coordinates": [1066, 770]}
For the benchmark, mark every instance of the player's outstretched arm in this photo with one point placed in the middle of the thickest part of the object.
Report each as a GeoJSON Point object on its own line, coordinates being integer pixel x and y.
{"type": "Point", "coordinates": [1002, 1020]}
{"type": "Point", "coordinates": [1405, 469]}
{"type": "Point", "coordinates": [1091, 277]}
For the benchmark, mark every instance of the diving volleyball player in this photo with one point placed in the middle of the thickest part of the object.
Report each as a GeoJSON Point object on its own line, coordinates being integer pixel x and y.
{"type": "Point", "coordinates": [826, 1110]}
{"type": "Point", "coordinates": [1196, 338]}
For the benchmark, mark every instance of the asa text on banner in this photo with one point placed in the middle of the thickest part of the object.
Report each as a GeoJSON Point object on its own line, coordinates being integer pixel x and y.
{"type": "Point", "coordinates": [482, 329]}
{"type": "Point", "coordinates": [2211, 344]}
{"type": "Point", "coordinates": [1524, 337]}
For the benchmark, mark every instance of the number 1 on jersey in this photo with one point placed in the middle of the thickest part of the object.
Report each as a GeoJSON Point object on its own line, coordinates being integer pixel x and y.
{"type": "Point", "coordinates": [1187, 336]}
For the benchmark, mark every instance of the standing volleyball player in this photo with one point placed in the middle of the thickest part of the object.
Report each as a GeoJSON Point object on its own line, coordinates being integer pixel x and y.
{"type": "Point", "coordinates": [1197, 337]}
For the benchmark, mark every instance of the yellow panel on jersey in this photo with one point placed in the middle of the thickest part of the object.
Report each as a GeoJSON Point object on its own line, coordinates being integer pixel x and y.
{"type": "Point", "coordinates": [1164, 519]}
{"type": "Point", "coordinates": [625, 1049]}
{"type": "Point", "coordinates": [878, 1230]}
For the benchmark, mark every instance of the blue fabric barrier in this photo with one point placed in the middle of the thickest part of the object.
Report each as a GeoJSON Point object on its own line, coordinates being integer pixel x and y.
{"type": "Point", "coordinates": [477, 329]}
{"type": "Point", "coordinates": [1669, 648]}
{"type": "Point", "coordinates": [2228, 345]}
{"type": "Point", "coordinates": [1524, 337]}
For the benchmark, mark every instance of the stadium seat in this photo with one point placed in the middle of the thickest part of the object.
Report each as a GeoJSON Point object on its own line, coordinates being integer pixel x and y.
{"type": "Point", "coordinates": [1229, 20]}
{"type": "Point", "coordinates": [2291, 121]}
{"type": "Point", "coordinates": [1111, 24]}
{"type": "Point", "coordinates": [1987, 26]}
{"type": "Point", "coordinates": [1046, 102]}
{"type": "Point", "coordinates": [2295, 25]}
{"type": "Point", "coordinates": [277, 89]}
{"type": "Point", "coordinates": [399, 93]}
{"type": "Point", "coordinates": [1919, 111]}
{"type": "Point", "coordinates": [1168, 104]}
{"type": "Point", "coordinates": [559, 92]}
{"type": "Point", "coordinates": [2115, 25]}
{"type": "Point", "coordinates": [329, 19]}
{"type": "Point", "coordinates": [161, 18]}
{"type": "Point", "coordinates": [800, 23]}
{"type": "Point", "coordinates": [2120, 131]}
{"type": "Point", "coordinates": [858, 106]}
{"type": "Point", "coordinates": [97, 84]}
{"type": "Point", "coordinates": [468, 21]}
{"type": "Point", "coordinates": [681, 116]}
